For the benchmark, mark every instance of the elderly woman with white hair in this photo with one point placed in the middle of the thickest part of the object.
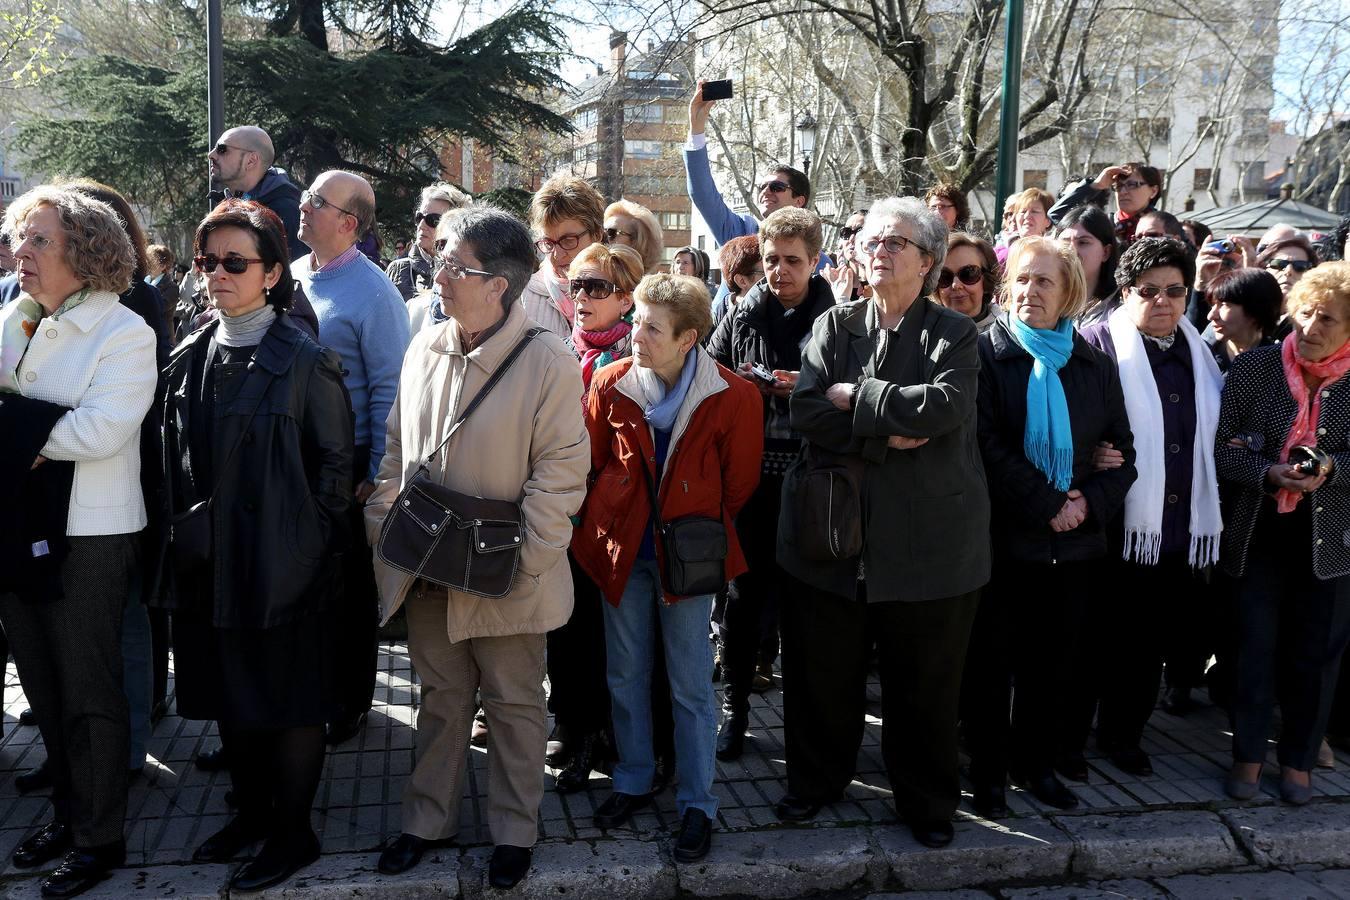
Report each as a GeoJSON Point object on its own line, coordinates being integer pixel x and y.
{"type": "Point", "coordinates": [414, 274]}
{"type": "Point", "coordinates": [886, 404]}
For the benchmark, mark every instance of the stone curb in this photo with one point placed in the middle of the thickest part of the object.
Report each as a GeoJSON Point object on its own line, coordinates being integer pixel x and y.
{"type": "Point", "coordinates": [788, 862]}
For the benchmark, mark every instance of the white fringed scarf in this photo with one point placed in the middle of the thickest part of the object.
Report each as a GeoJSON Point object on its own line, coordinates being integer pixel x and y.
{"type": "Point", "coordinates": [1144, 502]}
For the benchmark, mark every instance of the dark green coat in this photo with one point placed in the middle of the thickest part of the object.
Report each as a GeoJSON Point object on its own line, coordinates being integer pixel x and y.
{"type": "Point", "coordinates": [926, 510]}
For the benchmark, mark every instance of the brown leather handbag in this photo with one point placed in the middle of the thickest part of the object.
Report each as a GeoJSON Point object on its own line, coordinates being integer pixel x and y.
{"type": "Point", "coordinates": [468, 543]}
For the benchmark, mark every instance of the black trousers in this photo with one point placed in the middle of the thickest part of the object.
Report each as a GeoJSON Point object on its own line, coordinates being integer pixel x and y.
{"type": "Point", "coordinates": [1135, 629]}
{"type": "Point", "coordinates": [359, 611]}
{"type": "Point", "coordinates": [922, 648]}
{"type": "Point", "coordinates": [750, 619]}
{"type": "Point", "coordinates": [1024, 644]}
{"type": "Point", "coordinates": [69, 655]}
{"type": "Point", "coordinates": [1292, 631]}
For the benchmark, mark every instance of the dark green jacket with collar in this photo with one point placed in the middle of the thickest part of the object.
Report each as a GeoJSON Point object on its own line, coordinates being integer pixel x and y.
{"type": "Point", "coordinates": [926, 510]}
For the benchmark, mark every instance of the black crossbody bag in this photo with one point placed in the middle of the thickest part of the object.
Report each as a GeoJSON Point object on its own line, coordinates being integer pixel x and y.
{"type": "Point", "coordinates": [693, 550]}
{"type": "Point", "coordinates": [456, 540]}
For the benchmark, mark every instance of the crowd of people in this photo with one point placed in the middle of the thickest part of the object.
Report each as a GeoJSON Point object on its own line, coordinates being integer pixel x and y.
{"type": "Point", "coordinates": [1026, 479]}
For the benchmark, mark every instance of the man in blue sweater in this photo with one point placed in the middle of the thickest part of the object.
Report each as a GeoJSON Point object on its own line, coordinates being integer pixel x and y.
{"type": "Point", "coordinates": [362, 318]}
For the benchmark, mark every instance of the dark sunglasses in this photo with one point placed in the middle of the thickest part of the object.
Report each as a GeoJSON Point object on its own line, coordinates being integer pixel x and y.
{"type": "Point", "coordinates": [1149, 291]}
{"type": "Point", "coordinates": [432, 219]}
{"type": "Point", "coordinates": [222, 149]}
{"type": "Point", "coordinates": [235, 265]}
{"type": "Point", "coordinates": [595, 288]}
{"type": "Point", "coordinates": [1298, 265]}
{"type": "Point", "coordinates": [612, 234]}
{"type": "Point", "coordinates": [774, 187]}
{"type": "Point", "coordinates": [968, 274]}
{"type": "Point", "coordinates": [847, 233]}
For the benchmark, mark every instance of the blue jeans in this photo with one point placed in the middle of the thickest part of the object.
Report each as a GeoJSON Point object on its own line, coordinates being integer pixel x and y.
{"type": "Point", "coordinates": [630, 645]}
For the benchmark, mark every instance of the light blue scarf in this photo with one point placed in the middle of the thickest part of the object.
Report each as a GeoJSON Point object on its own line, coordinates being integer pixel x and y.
{"type": "Point", "coordinates": [1048, 439]}
{"type": "Point", "coordinates": [663, 412]}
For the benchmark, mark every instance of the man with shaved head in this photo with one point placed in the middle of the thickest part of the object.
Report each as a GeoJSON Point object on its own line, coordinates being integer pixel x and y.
{"type": "Point", "coordinates": [361, 317]}
{"type": "Point", "coordinates": [242, 161]}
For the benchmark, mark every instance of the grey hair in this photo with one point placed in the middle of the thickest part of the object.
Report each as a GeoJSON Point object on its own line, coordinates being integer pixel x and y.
{"type": "Point", "coordinates": [926, 227]}
{"type": "Point", "coordinates": [501, 242]}
{"type": "Point", "coordinates": [443, 190]}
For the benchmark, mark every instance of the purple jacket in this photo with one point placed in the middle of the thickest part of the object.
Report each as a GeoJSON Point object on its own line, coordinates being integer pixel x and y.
{"type": "Point", "coordinates": [1176, 389]}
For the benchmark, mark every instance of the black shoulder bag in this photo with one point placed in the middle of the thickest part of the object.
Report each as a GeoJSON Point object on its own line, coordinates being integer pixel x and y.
{"type": "Point", "coordinates": [471, 544]}
{"type": "Point", "coordinates": [693, 550]}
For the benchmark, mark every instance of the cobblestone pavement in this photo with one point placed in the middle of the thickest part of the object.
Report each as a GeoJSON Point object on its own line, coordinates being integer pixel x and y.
{"type": "Point", "coordinates": [173, 806]}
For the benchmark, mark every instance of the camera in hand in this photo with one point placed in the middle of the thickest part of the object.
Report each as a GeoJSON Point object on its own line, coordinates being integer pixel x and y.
{"type": "Point", "coordinates": [1310, 461]}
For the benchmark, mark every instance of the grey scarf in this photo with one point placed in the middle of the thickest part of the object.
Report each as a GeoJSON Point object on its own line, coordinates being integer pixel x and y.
{"type": "Point", "coordinates": [246, 330]}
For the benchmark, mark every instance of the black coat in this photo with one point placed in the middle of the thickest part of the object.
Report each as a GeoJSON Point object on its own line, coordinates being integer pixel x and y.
{"type": "Point", "coordinates": [1258, 411]}
{"type": "Point", "coordinates": [33, 541]}
{"type": "Point", "coordinates": [1023, 501]}
{"type": "Point", "coordinates": [280, 512]}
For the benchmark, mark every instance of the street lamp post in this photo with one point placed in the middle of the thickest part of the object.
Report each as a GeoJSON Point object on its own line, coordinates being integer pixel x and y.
{"type": "Point", "coordinates": [1010, 111]}
{"type": "Point", "coordinates": [806, 139]}
{"type": "Point", "coordinates": [215, 77]}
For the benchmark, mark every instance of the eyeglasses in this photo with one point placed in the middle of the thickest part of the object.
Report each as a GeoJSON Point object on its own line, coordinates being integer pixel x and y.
{"type": "Point", "coordinates": [432, 219]}
{"type": "Point", "coordinates": [565, 242]}
{"type": "Point", "coordinates": [1150, 291]}
{"type": "Point", "coordinates": [459, 271]}
{"type": "Point", "coordinates": [893, 243]}
{"type": "Point", "coordinates": [595, 288]}
{"type": "Point", "coordinates": [774, 187]}
{"type": "Point", "coordinates": [1298, 265]}
{"type": "Point", "coordinates": [941, 205]}
{"type": "Point", "coordinates": [847, 233]}
{"type": "Point", "coordinates": [612, 234]}
{"type": "Point", "coordinates": [37, 241]}
{"type": "Point", "coordinates": [317, 202]}
{"type": "Point", "coordinates": [968, 275]}
{"type": "Point", "coordinates": [1132, 185]}
{"type": "Point", "coordinates": [235, 265]}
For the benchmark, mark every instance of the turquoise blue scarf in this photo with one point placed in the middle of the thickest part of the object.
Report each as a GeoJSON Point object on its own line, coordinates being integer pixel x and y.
{"type": "Point", "coordinates": [1048, 439]}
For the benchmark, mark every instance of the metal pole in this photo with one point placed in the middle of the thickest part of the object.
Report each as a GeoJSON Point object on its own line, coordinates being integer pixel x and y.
{"type": "Point", "coordinates": [1010, 110]}
{"type": "Point", "coordinates": [215, 78]}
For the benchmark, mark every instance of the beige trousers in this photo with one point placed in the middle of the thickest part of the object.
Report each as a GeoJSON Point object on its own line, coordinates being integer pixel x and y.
{"type": "Point", "coordinates": [508, 672]}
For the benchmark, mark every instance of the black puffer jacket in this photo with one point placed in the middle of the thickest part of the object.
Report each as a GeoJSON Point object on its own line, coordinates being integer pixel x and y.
{"type": "Point", "coordinates": [1023, 501]}
{"type": "Point", "coordinates": [278, 520]}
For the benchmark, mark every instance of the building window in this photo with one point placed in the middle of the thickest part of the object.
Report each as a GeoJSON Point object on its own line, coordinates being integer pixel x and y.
{"type": "Point", "coordinates": [643, 149]}
{"type": "Point", "coordinates": [1255, 121]}
{"type": "Point", "coordinates": [647, 112]}
{"type": "Point", "coordinates": [1150, 75]}
{"type": "Point", "coordinates": [1212, 76]}
{"type": "Point", "coordinates": [1200, 182]}
{"type": "Point", "coordinates": [1035, 178]}
{"type": "Point", "coordinates": [585, 153]}
{"type": "Point", "coordinates": [675, 221]}
{"type": "Point", "coordinates": [654, 184]}
{"type": "Point", "coordinates": [1252, 175]}
{"type": "Point", "coordinates": [1148, 131]}
{"type": "Point", "coordinates": [584, 119]}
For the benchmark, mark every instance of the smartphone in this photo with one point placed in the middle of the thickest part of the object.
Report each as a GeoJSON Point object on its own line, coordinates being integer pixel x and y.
{"type": "Point", "coordinates": [762, 373]}
{"type": "Point", "coordinates": [717, 90]}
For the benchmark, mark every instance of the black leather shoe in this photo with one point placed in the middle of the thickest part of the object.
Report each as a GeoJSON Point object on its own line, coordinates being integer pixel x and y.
{"type": "Point", "coordinates": [230, 841]}
{"type": "Point", "coordinates": [344, 730]}
{"type": "Point", "coordinates": [990, 801]}
{"type": "Point", "coordinates": [731, 736]}
{"type": "Point", "coordinates": [1132, 760]}
{"type": "Point", "coordinates": [38, 778]}
{"type": "Point", "coordinates": [795, 809]}
{"type": "Point", "coordinates": [1073, 767]}
{"type": "Point", "coordinates": [618, 808]}
{"type": "Point", "coordinates": [695, 837]}
{"type": "Point", "coordinates": [576, 775]}
{"type": "Point", "coordinates": [1178, 701]}
{"type": "Point", "coordinates": [50, 842]}
{"type": "Point", "coordinates": [277, 861]}
{"type": "Point", "coordinates": [1049, 790]}
{"type": "Point", "coordinates": [212, 760]}
{"type": "Point", "coordinates": [82, 869]}
{"type": "Point", "coordinates": [664, 774]}
{"type": "Point", "coordinates": [508, 865]}
{"type": "Point", "coordinates": [933, 833]}
{"type": "Point", "coordinates": [27, 717]}
{"type": "Point", "coordinates": [405, 851]}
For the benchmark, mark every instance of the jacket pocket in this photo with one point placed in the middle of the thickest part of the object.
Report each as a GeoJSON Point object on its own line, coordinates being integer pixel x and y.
{"type": "Point", "coordinates": [105, 483]}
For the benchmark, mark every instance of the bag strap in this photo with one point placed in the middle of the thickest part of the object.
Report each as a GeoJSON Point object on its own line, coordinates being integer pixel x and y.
{"type": "Point", "coordinates": [484, 391]}
{"type": "Point", "coordinates": [651, 492]}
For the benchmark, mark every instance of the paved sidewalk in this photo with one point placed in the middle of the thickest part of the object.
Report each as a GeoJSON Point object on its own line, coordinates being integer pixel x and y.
{"type": "Point", "coordinates": [1173, 823]}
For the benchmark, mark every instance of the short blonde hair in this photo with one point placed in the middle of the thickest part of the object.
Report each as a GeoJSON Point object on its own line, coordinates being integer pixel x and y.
{"type": "Point", "coordinates": [1075, 284]}
{"type": "Point", "coordinates": [444, 190]}
{"type": "Point", "coordinates": [790, 222]}
{"type": "Point", "coordinates": [621, 263]}
{"type": "Point", "coordinates": [684, 295]}
{"type": "Point", "coordinates": [565, 197]}
{"type": "Point", "coordinates": [1328, 283]}
{"type": "Point", "coordinates": [651, 239]}
{"type": "Point", "coordinates": [98, 250]}
{"type": "Point", "coordinates": [1019, 202]}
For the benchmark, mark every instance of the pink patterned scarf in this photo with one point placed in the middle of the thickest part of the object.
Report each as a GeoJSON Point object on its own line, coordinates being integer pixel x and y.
{"type": "Point", "coordinates": [1309, 400]}
{"type": "Point", "coordinates": [595, 347]}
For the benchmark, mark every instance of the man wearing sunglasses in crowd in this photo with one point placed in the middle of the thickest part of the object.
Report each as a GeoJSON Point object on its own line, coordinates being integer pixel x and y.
{"type": "Point", "coordinates": [242, 160]}
{"type": "Point", "coordinates": [413, 274]}
{"type": "Point", "coordinates": [362, 318]}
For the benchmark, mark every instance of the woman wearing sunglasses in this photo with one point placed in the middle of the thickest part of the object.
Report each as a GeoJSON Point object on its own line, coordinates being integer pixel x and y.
{"type": "Point", "coordinates": [413, 274]}
{"type": "Point", "coordinates": [634, 225]}
{"type": "Point", "coordinates": [967, 283]}
{"type": "Point", "coordinates": [1135, 185]}
{"type": "Point", "coordinates": [1047, 399]}
{"type": "Point", "coordinates": [1287, 259]}
{"type": "Point", "coordinates": [1157, 607]}
{"type": "Point", "coordinates": [258, 439]}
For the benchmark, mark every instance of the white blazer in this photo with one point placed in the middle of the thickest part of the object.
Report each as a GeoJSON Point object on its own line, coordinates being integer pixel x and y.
{"type": "Point", "coordinates": [98, 359]}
